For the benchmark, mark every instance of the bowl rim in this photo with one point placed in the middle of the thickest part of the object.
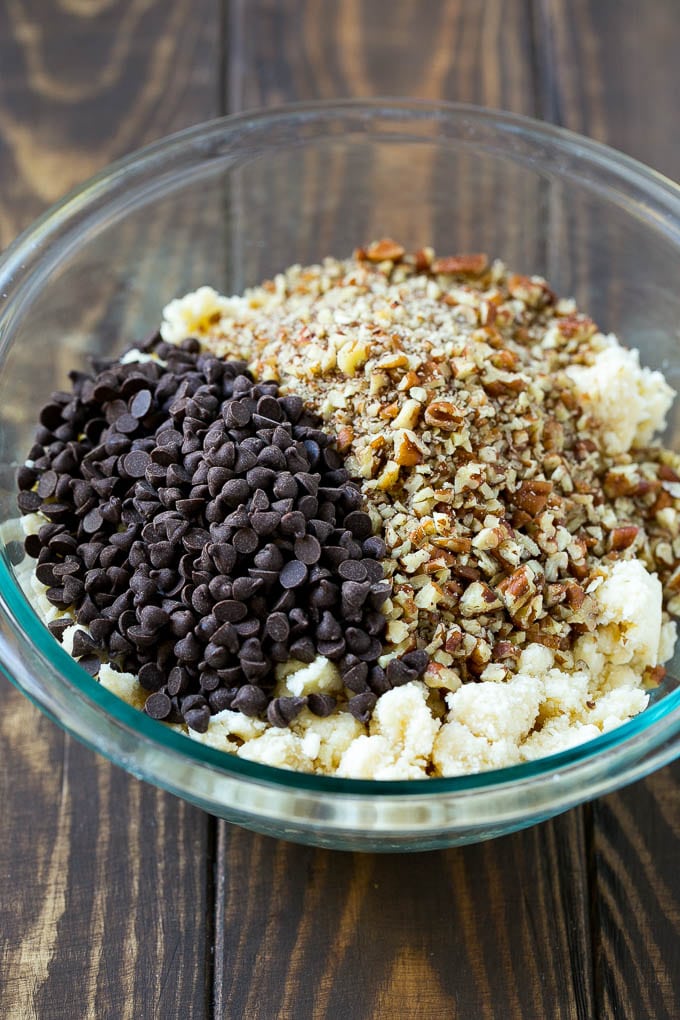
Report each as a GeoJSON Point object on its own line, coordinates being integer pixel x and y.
{"type": "Point", "coordinates": [15, 608]}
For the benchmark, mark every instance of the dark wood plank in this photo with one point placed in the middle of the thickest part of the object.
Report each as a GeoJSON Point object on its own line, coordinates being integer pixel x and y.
{"type": "Point", "coordinates": [485, 931]}
{"type": "Point", "coordinates": [286, 50]}
{"type": "Point", "coordinates": [105, 883]}
{"type": "Point", "coordinates": [611, 71]}
{"type": "Point", "coordinates": [460, 933]}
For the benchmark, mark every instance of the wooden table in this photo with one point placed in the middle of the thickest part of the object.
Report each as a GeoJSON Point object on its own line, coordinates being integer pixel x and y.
{"type": "Point", "coordinates": [119, 901]}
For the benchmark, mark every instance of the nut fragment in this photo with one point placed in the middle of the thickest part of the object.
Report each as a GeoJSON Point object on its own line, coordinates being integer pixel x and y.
{"type": "Point", "coordinates": [464, 265]}
{"type": "Point", "coordinates": [443, 415]}
{"type": "Point", "coordinates": [623, 537]}
{"type": "Point", "coordinates": [532, 496]}
{"type": "Point", "coordinates": [406, 450]}
{"type": "Point", "coordinates": [380, 251]}
{"type": "Point", "coordinates": [479, 598]}
{"type": "Point", "coordinates": [408, 415]}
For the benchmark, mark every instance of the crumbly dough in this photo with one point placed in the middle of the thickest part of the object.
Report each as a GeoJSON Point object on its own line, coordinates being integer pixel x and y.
{"type": "Point", "coordinates": [450, 383]}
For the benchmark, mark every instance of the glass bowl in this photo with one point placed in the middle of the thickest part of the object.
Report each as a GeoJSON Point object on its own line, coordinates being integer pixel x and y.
{"type": "Point", "coordinates": [233, 201]}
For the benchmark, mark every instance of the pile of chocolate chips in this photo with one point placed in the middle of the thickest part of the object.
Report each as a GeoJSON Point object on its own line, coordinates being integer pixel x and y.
{"type": "Point", "coordinates": [203, 528]}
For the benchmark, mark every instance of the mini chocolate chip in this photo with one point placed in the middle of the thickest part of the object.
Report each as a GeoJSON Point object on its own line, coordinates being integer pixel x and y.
{"type": "Point", "coordinates": [236, 414]}
{"type": "Point", "coordinates": [328, 629]}
{"type": "Point", "coordinates": [245, 587]}
{"type": "Point", "coordinates": [245, 541]}
{"type": "Point", "coordinates": [26, 477]}
{"type": "Point", "coordinates": [352, 570]}
{"type": "Point", "coordinates": [359, 523]}
{"type": "Point", "coordinates": [293, 574]}
{"type": "Point", "coordinates": [250, 700]}
{"type": "Point", "coordinates": [417, 660]}
{"type": "Point", "coordinates": [151, 677]}
{"type": "Point", "coordinates": [197, 719]}
{"type": "Point", "coordinates": [321, 705]}
{"type": "Point", "coordinates": [294, 523]}
{"type": "Point", "coordinates": [374, 547]}
{"type": "Point", "coordinates": [90, 663]}
{"type": "Point", "coordinates": [307, 549]}
{"type": "Point", "coordinates": [230, 611]}
{"type": "Point", "coordinates": [277, 627]}
{"type": "Point", "coordinates": [58, 626]}
{"type": "Point", "coordinates": [333, 650]}
{"type": "Point", "coordinates": [28, 502]}
{"type": "Point", "coordinates": [282, 711]}
{"type": "Point", "coordinates": [140, 404]}
{"type": "Point", "coordinates": [399, 673]}
{"type": "Point", "coordinates": [92, 521]}
{"type": "Point", "coordinates": [235, 491]}
{"type": "Point", "coordinates": [126, 423]}
{"type": "Point", "coordinates": [356, 677]}
{"type": "Point", "coordinates": [361, 705]}
{"type": "Point", "coordinates": [158, 705]}
{"type": "Point", "coordinates": [47, 483]}
{"type": "Point", "coordinates": [303, 649]}
{"type": "Point", "coordinates": [265, 522]}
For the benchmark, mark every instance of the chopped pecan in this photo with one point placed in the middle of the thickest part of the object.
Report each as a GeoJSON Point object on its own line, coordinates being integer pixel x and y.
{"type": "Point", "coordinates": [454, 639]}
{"type": "Point", "coordinates": [532, 496]}
{"type": "Point", "coordinates": [423, 259]}
{"type": "Point", "coordinates": [576, 327]}
{"type": "Point", "coordinates": [344, 438]}
{"type": "Point", "coordinates": [553, 435]}
{"type": "Point", "coordinates": [389, 411]}
{"type": "Point", "coordinates": [505, 650]}
{"type": "Point", "coordinates": [442, 414]}
{"type": "Point", "coordinates": [516, 589]}
{"type": "Point", "coordinates": [574, 595]}
{"type": "Point", "coordinates": [654, 675]}
{"type": "Point", "coordinates": [464, 265]}
{"type": "Point", "coordinates": [623, 536]}
{"type": "Point", "coordinates": [380, 251]}
{"type": "Point", "coordinates": [406, 450]}
{"type": "Point", "coordinates": [663, 500]}
{"type": "Point", "coordinates": [466, 573]}
{"type": "Point", "coordinates": [478, 657]}
{"type": "Point", "coordinates": [619, 483]}
{"type": "Point", "coordinates": [555, 593]}
{"type": "Point", "coordinates": [534, 291]}
{"type": "Point", "coordinates": [479, 598]}
{"type": "Point", "coordinates": [667, 474]}
{"type": "Point", "coordinates": [536, 635]}
{"type": "Point", "coordinates": [504, 359]}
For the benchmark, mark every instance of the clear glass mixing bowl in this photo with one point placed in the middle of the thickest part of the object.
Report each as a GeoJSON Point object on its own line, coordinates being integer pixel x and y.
{"type": "Point", "coordinates": [233, 201]}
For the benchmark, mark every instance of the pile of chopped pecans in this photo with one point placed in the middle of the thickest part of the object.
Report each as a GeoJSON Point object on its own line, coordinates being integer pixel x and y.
{"type": "Point", "coordinates": [446, 383]}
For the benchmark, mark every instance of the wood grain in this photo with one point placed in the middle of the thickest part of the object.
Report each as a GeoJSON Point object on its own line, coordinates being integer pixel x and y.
{"type": "Point", "coordinates": [456, 934]}
{"type": "Point", "coordinates": [105, 883]}
{"type": "Point", "coordinates": [495, 930]}
{"type": "Point", "coordinates": [285, 50]}
{"type": "Point", "coordinates": [611, 71]}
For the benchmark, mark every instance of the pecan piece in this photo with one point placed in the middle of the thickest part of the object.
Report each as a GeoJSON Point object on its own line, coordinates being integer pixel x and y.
{"type": "Point", "coordinates": [516, 589]}
{"type": "Point", "coordinates": [423, 259]}
{"type": "Point", "coordinates": [465, 265]}
{"type": "Point", "coordinates": [532, 496]}
{"type": "Point", "coordinates": [406, 451]}
{"type": "Point", "coordinates": [454, 640]}
{"type": "Point", "coordinates": [345, 438]}
{"type": "Point", "coordinates": [385, 249]}
{"type": "Point", "coordinates": [654, 675]}
{"type": "Point", "coordinates": [574, 595]}
{"type": "Point", "coordinates": [442, 414]}
{"type": "Point", "coordinates": [479, 598]}
{"type": "Point", "coordinates": [505, 650]}
{"type": "Point", "coordinates": [623, 537]}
